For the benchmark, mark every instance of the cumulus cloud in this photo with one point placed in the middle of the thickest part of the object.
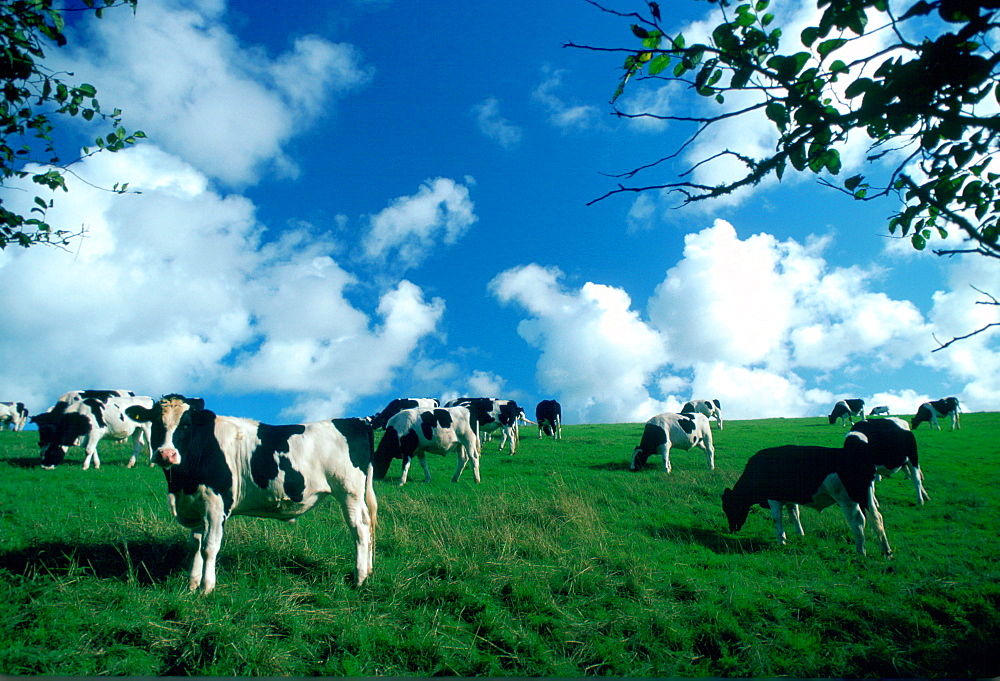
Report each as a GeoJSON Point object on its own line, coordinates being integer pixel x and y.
{"type": "Point", "coordinates": [179, 289]}
{"type": "Point", "coordinates": [596, 353]}
{"type": "Point", "coordinates": [412, 226]}
{"type": "Point", "coordinates": [189, 83]}
{"type": "Point", "coordinates": [495, 126]}
{"type": "Point", "coordinates": [563, 115]}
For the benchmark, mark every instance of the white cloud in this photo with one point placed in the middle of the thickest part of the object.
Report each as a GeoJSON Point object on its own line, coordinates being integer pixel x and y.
{"type": "Point", "coordinates": [412, 226]}
{"type": "Point", "coordinates": [225, 107]}
{"type": "Point", "coordinates": [562, 115]}
{"type": "Point", "coordinates": [596, 353]}
{"type": "Point", "coordinates": [495, 126]}
{"type": "Point", "coordinates": [177, 289]}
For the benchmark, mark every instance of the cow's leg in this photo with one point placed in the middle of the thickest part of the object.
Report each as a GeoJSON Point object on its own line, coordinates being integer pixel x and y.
{"type": "Point", "coordinates": [212, 541]}
{"type": "Point", "coordinates": [664, 451]}
{"type": "Point", "coordinates": [876, 517]}
{"type": "Point", "coordinates": [793, 513]}
{"type": "Point", "coordinates": [917, 476]}
{"type": "Point", "coordinates": [856, 521]}
{"type": "Point", "coordinates": [136, 446]}
{"type": "Point", "coordinates": [359, 521]}
{"type": "Point", "coordinates": [709, 454]}
{"type": "Point", "coordinates": [407, 460]}
{"type": "Point", "coordinates": [91, 448]}
{"type": "Point", "coordinates": [423, 462]}
{"type": "Point", "coordinates": [198, 561]}
{"type": "Point", "coordinates": [779, 527]}
{"type": "Point", "coordinates": [463, 458]}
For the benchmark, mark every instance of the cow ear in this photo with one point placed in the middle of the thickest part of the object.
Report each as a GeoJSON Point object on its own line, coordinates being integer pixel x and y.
{"type": "Point", "coordinates": [139, 413]}
{"type": "Point", "coordinates": [197, 403]}
{"type": "Point", "coordinates": [203, 417]}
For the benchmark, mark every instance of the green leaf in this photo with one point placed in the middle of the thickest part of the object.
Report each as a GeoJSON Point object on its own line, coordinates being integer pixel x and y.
{"type": "Point", "coordinates": [858, 87]}
{"type": "Point", "coordinates": [828, 46]}
{"type": "Point", "coordinates": [778, 113]}
{"type": "Point", "coordinates": [809, 35]}
{"type": "Point", "coordinates": [851, 183]}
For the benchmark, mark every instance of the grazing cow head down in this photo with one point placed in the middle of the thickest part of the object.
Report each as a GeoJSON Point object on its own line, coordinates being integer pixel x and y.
{"type": "Point", "coordinates": [652, 437]}
{"type": "Point", "coordinates": [388, 449]}
{"type": "Point", "coordinates": [57, 433]}
{"type": "Point", "coordinates": [736, 511]}
{"type": "Point", "coordinates": [175, 420]}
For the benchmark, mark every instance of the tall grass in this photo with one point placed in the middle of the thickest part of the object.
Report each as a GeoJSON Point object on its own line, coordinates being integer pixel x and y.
{"type": "Point", "coordinates": [560, 563]}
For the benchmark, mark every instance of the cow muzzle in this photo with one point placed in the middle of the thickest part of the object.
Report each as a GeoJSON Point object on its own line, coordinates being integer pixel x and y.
{"type": "Point", "coordinates": [166, 457]}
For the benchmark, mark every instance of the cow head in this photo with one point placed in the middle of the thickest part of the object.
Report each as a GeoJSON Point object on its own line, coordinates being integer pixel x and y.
{"type": "Point", "coordinates": [388, 449]}
{"type": "Point", "coordinates": [639, 458]}
{"type": "Point", "coordinates": [57, 433]}
{"type": "Point", "coordinates": [735, 509]}
{"type": "Point", "coordinates": [174, 421]}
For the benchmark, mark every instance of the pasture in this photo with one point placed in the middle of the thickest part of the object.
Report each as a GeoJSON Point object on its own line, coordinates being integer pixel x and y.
{"type": "Point", "coordinates": [561, 562]}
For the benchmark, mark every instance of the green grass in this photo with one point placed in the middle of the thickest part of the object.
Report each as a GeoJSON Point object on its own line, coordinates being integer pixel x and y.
{"type": "Point", "coordinates": [560, 563]}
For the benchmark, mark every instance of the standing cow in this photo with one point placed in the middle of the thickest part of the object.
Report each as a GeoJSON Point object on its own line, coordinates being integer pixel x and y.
{"type": "Point", "coordinates": [70, 400]}
{"type": "Point", "coordinates": [412, 432]}
{"type": "Point", "coordinates": [893, 447]}
{"type": "Point", "coordinates": [491, 414]}
{"type": "Point", "coordinates": [710, 408]}
{"type": "Point", "coordinates": [846, 410]}
{"type": "Point", "coordinates": [548, 416]}
{"type": "Point", "coordinates": [220, 466]}
{"type": "Point", "coordinates": [932, 411]}
{"type": "Point", "coordinates": [85, 423]}
{"type": "Point", "coordinates": [13, 415]}
{"type": "Point", "coordinates": [682, 431]}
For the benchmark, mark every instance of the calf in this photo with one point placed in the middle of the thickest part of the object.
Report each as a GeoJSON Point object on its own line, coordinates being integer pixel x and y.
{"type": "Point", "coordinates": [893, 447]}
{"type": "Point", "coordinates": [932, 411]}
{"type": "Point", "coordinates": [85, 424]}
{"type": "Point", "coordinates": [492, 414]}
{"type": "Point", "coordinates": [710, 408]}
{"type": "Point", "coordinates": [846, 410]}
{"type": "Point", "coordinates": [379, 420]}
{"type": "Point", "coordinates": [793, 476]}
{"type": "Point", "coordinates": [548, 415]}
{"type": "Point", "coordinates": [13, 415]}
{"type": "Point", "coordinates": [440, 431]}
{"type": "Point", "coordinates": [683, 431]}
{"type": "Point", "coordinates": [220, 466]}
{"type": "Point", "coordinates": [881, 410]}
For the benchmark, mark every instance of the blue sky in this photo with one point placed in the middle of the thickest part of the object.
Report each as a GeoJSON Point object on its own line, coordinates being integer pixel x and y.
{"type": "Point", "coordinates": [380, 199]}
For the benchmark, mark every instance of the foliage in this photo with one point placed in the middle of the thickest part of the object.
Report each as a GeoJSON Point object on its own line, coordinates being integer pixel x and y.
{"type": "Point", "coordinates": [561, 562]}
{"type": "Point", "coordinates": [922, 86]}
{"type": "Point", "coordinates": [33, 97]}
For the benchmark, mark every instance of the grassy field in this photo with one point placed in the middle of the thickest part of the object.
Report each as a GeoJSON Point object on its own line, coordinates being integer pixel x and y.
{"type": "Point", "coordinates": [561, 562]}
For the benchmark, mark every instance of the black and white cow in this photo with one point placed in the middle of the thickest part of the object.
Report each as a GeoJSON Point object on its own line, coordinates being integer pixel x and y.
{"type": "Point", "coordinates": [74, 397]}
{"type": "Point", "coordinates": [379, 420]}
{"type": "Point", "coordinates": [893, 447]}
{"type": "Point", "coordinates": [710, 408]}
{"type": "Point", "coordinates": [220, 466]}
{"type": "Point", "coordinates": [846, 410]}
{"type": "Point", "coordinates": [412, 432]}
{"type": "Point", "coordinates": [682, 431]}
{"type": "Point", "coordinates": [932, 411]}
{"type": "Point", "coordinates": [548, 416]}
{"type": "Point", "coordinates": [85, 424]}
{"type": "Point", "coordinates": [13, 415]}
{"type": "Point", "coordinates": [882, 410]}
{"type": "Point", "coordinates": [794, 475]}
{"type": "Point", "coordinates": [492, 414]}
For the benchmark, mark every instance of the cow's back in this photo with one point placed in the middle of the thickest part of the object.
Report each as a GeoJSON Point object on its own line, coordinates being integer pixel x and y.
{"type": "Point", "coordinates": [790, 473]}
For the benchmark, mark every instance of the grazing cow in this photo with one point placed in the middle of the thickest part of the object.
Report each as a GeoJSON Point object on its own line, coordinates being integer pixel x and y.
{"type": "Point", "coordinates": [932, 411]}
{"type": "Point", "coordinates": [548, 415]}
{"type": "Point", "coordinates": [85, 424]}
{"type": "Point", "coordinates": [893, 447]}
{"type": "Point", "coordinates": [710, 408]}
{"type": "Point", "coordinates": [220, 466]}
{"type": "Point", "coordinates": [683, 431]}
{"type": "Point", "coordinates": [379, 420]}
{"type": "Point", "coordinates": [492, 414]}
{"type": "Point", "coordinates": [794, 475]}
{"type": "Point", "coordinates": [882, 410]}
{"type": "Point", "coordinates": [440, 431]}
{"type": "Point", "coordinates": [13, 415]}
{"type": "Point", "coordinates": [846, 410]}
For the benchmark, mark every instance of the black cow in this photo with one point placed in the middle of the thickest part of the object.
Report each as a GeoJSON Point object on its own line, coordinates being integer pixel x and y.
{"type": "Point", "coordinates": [893, 447]}
{"type": "Point", "coordinates": [932, 411]}
{"type": "Point", "coordinates": [412, 432]}
{"type": "Point", "coordinates": [793, 476]}
{"type": "Point", "coordinates": [548, 416]}
{"type": "Point", "coordinates": [219, 466]}
{"type": "Point", "coordinates": [379, 420]}
{"type": "Point", "coordinates": [846, 410]}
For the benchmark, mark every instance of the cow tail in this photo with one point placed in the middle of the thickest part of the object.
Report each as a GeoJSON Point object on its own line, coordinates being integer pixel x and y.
{"type": "Point", "coordinates": [370, 501]}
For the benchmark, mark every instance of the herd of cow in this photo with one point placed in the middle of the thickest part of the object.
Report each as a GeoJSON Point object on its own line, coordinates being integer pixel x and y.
{"type": "Point", "coordinates": [218, 466]}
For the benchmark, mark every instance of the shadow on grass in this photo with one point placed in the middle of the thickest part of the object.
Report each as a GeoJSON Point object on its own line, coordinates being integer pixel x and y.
{"type": "Point", "coordinates": [151, 562]}
{"type": "Point", "coordinates": [612, 466]}
{"type": "Point", "coordinates": [713, 540]}
{"type": "Point", "coordinates": [23, 461]}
